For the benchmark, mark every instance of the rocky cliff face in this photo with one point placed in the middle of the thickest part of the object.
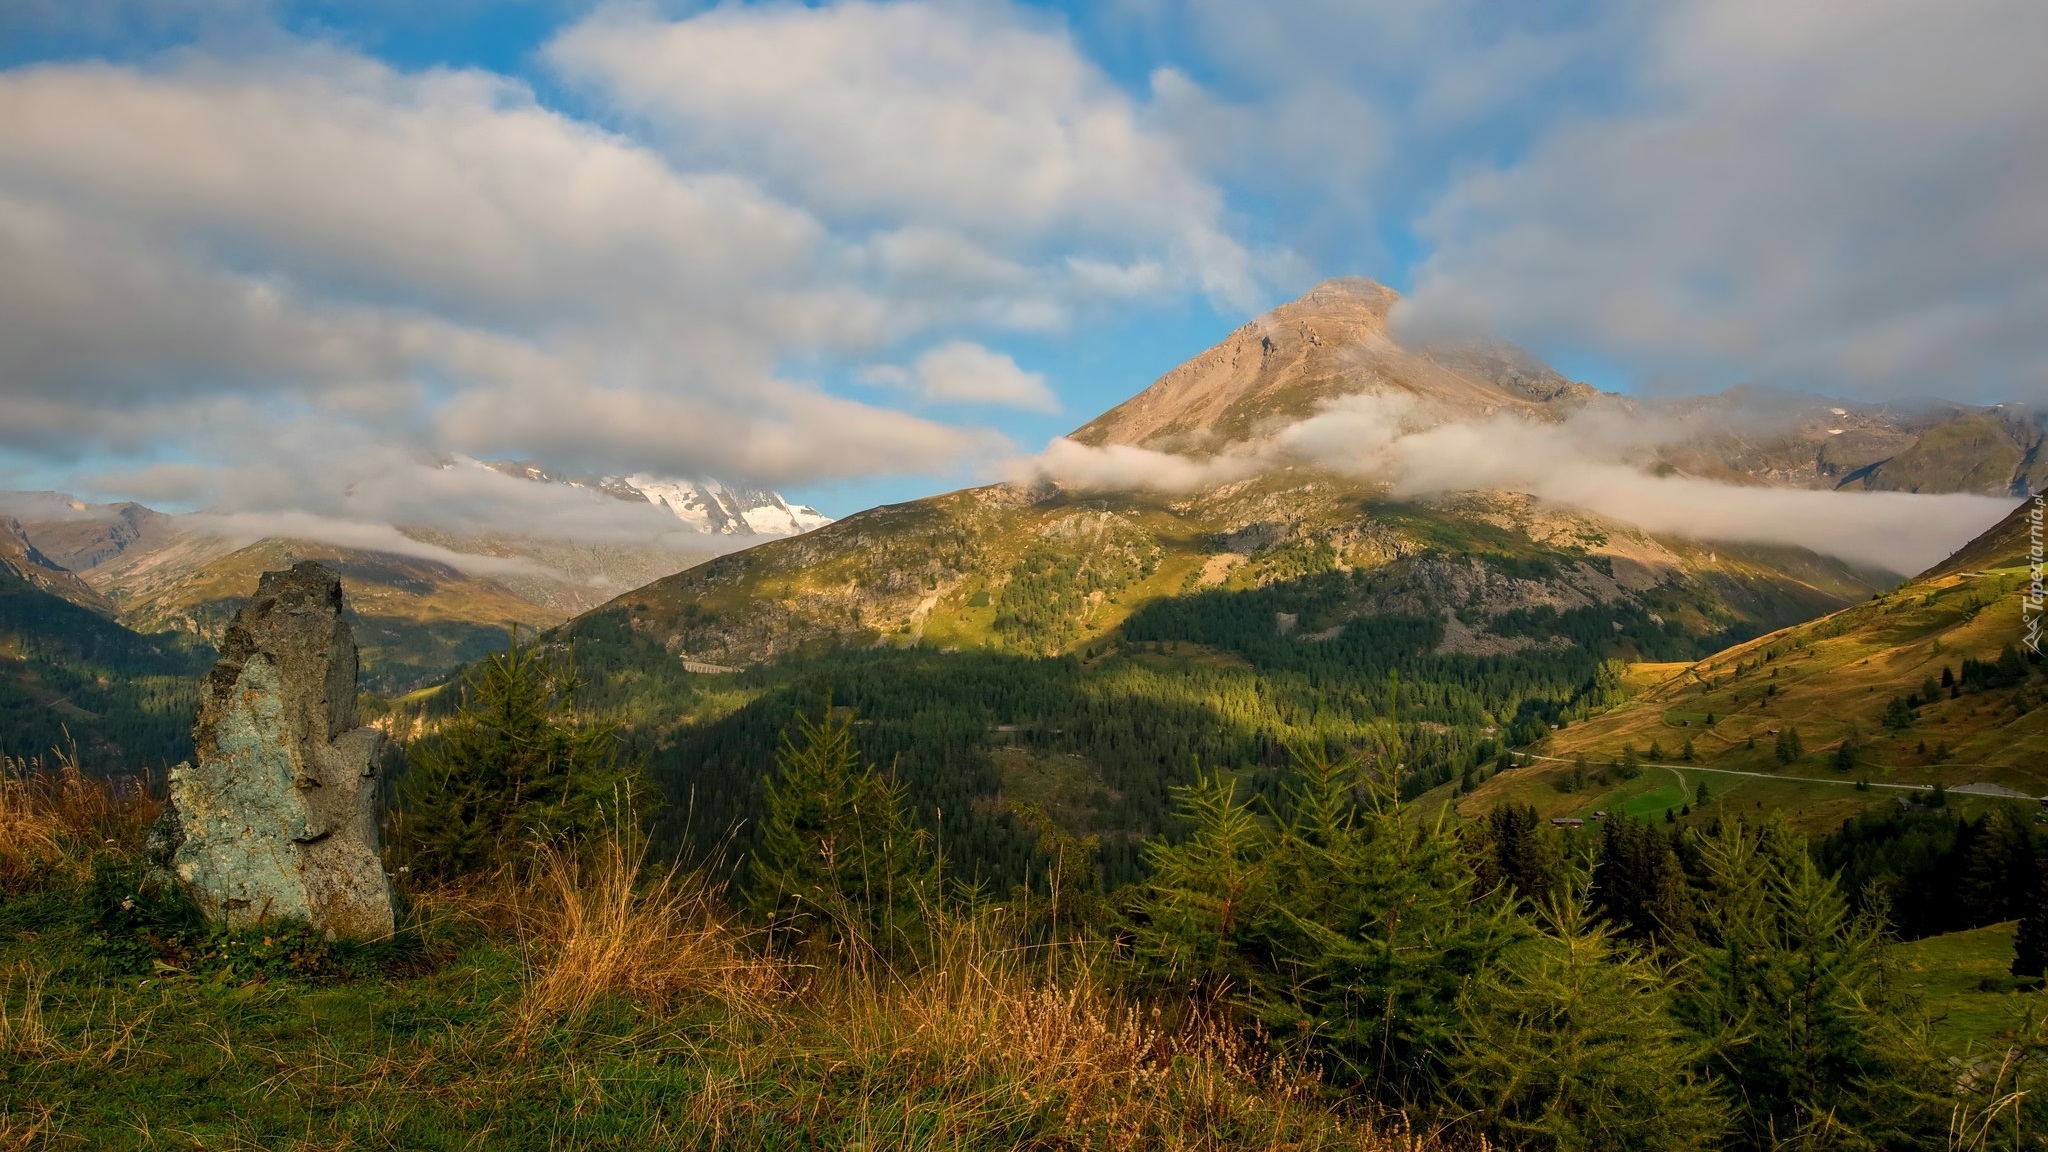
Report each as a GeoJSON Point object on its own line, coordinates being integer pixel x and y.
{"type": "Point", "coordinates": [278, 817]}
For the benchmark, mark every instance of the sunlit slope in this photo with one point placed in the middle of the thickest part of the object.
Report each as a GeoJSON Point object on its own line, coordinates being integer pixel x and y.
{"type": "Point", "coordinates": [414, 619]}
{"type": "Point", "coordinates": [1038, 571]}
{"type": "Point", "coordinates": [1929, 684]}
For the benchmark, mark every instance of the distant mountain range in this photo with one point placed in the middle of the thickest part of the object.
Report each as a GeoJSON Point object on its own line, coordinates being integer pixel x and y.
{"type": "Point", "coordinates": [418, 613]}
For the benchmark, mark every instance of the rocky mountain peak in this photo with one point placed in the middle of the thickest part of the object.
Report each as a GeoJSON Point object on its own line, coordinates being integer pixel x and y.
{"type": "Point", "coordinates": [1334, 341]}
{"type": "Point", "coordinates": [1348, 295]}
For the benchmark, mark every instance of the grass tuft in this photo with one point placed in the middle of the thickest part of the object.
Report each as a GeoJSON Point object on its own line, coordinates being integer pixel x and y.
{"type": "Point", "coordinates": [594, 926]}
{"type": "Point", "coordinates": [63, 818]}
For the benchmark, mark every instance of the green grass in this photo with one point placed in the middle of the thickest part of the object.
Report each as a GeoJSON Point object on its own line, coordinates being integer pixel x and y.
{"type": "Point", "coordinates": [1670, 792]}
{"type": "Point", "coordinates": [1965, 980]}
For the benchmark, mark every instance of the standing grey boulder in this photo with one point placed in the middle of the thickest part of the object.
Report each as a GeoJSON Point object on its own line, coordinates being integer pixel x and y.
{"type": "Point", "coordinates": [278, 817]}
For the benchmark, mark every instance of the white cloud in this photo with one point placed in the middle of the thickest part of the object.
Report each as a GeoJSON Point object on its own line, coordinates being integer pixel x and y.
{"type": "Point", "coordinates": [974, 121]}
{"type": "Point", "coordinates": [1128, 468]}
{"type": "Point", "coordinates": [963, 372]}
{"type": "Point", "coordinates": [1592, 462]}
{"type": "Point", "coordinates": [1842, 195]}
{"type": "Point", "coordinates": [204, 255]}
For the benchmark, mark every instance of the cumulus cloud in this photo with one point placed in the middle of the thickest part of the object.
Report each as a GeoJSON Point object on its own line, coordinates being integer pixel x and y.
{"type": "Point", "coordinates": [336, 235]}
{"type": "Point", "coordinates": [988, 128]}
{"type": "Point", "coordinates": [1592, 462]}
{"type": "Point", "coordinates": [207, 255]}
{"type": "Point", "coordinates": [963, 372]}
{"type": "Point", "coordinates": [1845, 195]}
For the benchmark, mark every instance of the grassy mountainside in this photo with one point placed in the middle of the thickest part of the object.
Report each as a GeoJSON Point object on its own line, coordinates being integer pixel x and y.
{"type": "Point", "coordinates": [1041, 571]}
{"type": "Point", "coordinates": [1928, 684]}
{"type": "Point", "coordinates": [21, 560]}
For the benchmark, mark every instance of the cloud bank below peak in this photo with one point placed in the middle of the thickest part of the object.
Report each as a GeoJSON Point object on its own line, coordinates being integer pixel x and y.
{"type": "Point", "coordinates": [1593, 462]}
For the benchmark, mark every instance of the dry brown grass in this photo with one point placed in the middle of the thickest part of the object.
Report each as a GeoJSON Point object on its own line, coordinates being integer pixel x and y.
{"type": "Point", "coordinates": [1000, 1035]}
{"type": "Point", "coordinates": [23, 1031]}
{"type": "Point", "coordinates": [60, 817]}
{"type": "Point", "coordinates": [595, 926]}
{"type": "Point", "coordinates": [981, 1038]}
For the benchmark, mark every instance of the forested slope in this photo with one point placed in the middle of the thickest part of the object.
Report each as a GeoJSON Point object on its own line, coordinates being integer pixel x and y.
{"type": "Point", "coordinates": [68, 674]}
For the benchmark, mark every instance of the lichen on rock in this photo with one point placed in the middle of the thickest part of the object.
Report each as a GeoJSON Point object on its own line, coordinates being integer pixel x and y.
{"type": "Point", "coordinates": [277, 818]}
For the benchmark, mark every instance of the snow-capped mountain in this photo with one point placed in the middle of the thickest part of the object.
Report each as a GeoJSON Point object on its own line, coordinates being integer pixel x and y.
{"type": "Point", "coordinates": [712, 507]}
{"type": "Point", "coordinates": [727, 509]}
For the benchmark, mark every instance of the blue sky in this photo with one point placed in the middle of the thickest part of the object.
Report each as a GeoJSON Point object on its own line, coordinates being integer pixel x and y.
{"type": "Point", "coordinates": [281, 258]}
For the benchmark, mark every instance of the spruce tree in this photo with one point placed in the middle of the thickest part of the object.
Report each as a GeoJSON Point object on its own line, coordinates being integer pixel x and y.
{"type": "Point", "coordinates": [1509, 851]}
{"type": "Point", "coordinates": [1998, 875]}
{"type": "Point", "coordinates": [1898, 715]}
{"type": "Point", "coordinates": [1204, 892]}
{"type": "Point", "coordinates": [1790, 996]}
{"type": "Point", "coordinates": [1637, 883]}
{"type": "Point", "coordinates": [838, 858]}
{"type": "Point", "coordinates": [1337, 921]}
{"type": "Point", "coordinates": [1569, 1044]}
{"type": "Point", "coordinates": [1790, 747]}
{"type": "Point", "coordinates": [513, 769]}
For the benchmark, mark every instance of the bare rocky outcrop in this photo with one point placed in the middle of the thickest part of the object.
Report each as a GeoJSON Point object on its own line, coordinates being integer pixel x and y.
{"type": "Point", "coordinates": [278, 816]}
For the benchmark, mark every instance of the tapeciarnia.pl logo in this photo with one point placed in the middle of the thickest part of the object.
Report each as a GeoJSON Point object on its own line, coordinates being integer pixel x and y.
{"type": "Point", "coordinates": [2032, 603]}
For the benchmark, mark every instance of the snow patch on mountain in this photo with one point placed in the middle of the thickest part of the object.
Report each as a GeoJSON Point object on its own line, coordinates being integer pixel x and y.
{"type": "Point", "coordinates": [722, 509]}
{"type": "Point", "coordinates": [712, 507]}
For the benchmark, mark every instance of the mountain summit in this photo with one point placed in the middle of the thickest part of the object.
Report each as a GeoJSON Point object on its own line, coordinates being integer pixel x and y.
{"type": "Point", "coordinates": [1333, 341]}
